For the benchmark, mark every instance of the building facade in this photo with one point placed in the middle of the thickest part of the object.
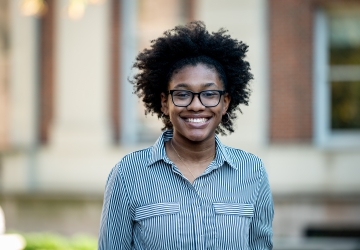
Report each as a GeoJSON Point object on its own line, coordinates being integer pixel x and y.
{"type": "Point", "coordinates": [68, 114]}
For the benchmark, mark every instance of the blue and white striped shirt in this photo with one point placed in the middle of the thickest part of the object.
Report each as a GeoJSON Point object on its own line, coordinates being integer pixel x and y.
{"type": "Point", "coordinates": [149, 204]}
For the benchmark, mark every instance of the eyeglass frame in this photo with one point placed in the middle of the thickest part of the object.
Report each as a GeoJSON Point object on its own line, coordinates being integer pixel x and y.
{"type": "Point", "coordinates": [221, 92]}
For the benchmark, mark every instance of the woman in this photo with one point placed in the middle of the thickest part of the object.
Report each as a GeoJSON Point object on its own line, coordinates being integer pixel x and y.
{"type": "Point", "coordinates": [189, 191]}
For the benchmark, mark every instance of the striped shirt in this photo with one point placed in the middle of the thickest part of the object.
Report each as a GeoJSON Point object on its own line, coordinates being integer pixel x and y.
{"type": "Point", "coordinates": [149, 204]}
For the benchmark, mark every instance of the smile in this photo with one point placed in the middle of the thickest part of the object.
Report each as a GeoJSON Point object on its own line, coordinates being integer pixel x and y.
{"type": "Point", "coordinates": [197, 120]}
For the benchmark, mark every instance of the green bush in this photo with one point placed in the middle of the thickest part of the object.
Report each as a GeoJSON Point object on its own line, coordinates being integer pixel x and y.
{"type": "Point", "coordinates": [47, 241]}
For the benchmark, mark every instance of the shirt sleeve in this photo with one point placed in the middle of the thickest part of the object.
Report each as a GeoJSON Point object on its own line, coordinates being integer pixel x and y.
{"type": "Point", "coordinates": [260, 235]}
{"type": "Point", "coordinates": [116, 221]}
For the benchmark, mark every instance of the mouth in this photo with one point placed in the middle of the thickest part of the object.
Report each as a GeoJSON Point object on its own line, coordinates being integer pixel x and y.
{"type": "Point", "coordinates": [197, 120]}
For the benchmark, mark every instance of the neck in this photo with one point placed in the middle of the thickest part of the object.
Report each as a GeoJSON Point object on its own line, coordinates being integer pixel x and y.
{"type": "Point", "coordinates": [195, 151]}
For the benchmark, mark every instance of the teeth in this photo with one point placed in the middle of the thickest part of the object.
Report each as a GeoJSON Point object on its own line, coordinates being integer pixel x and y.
{"type": "Point", "coordinates": [196, 119]}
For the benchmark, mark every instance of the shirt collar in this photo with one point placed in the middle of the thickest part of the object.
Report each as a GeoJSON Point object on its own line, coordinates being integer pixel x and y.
{"type": "Point", "coordinates": [158, 151]}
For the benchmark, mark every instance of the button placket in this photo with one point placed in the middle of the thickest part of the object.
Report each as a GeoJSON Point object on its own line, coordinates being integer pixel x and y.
{"type": "Point", "coordinates": [198, 213]}
{"type": "Point", "coordinates": [198, 226]}
{"type": "Point", "coordinates": [208, 234]}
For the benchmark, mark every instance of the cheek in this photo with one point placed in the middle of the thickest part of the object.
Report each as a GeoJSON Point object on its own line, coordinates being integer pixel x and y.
{"type": "Point", "coordinates": [173, 112]}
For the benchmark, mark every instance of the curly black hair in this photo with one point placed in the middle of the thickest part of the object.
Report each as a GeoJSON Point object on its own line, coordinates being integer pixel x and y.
{"type": "Point", "coordinates": [192, 44]}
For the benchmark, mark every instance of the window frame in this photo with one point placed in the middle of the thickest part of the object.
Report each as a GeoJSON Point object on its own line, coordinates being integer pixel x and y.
{"type": "Point", "coordinates": [324, 136]}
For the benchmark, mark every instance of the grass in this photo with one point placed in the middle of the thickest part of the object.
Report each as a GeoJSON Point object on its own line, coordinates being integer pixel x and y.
{"type": "Point", "coordinates": [50, 241]}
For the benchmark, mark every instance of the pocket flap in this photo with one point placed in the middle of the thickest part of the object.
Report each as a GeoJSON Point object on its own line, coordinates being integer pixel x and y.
{"type": "Point", "coordinates": [156, 209]}
{"type": "Point", "coordinates": [240, 209]}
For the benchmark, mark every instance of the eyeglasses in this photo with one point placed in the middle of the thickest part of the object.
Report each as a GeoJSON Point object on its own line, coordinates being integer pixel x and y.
{"type": "Point", "coordinates": [208, 98]}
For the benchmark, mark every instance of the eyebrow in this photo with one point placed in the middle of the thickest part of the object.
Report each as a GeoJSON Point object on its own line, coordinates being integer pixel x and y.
{"type": "Point", "coordinates": [185, 85]}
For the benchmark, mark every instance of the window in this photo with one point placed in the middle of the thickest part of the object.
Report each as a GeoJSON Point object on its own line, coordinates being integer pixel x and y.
{"type": "Point", "coordinates": [344, 60]}
{"type": "Point", "coordinates": [337, 77]}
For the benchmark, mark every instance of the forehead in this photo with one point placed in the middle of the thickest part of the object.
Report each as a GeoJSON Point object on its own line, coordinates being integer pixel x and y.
{"type": "Point", "coordinates": [195, 76]}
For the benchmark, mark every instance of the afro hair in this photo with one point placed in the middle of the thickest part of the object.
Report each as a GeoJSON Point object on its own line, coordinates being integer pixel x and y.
{"type": "Point", "coordinates": [192, 44]}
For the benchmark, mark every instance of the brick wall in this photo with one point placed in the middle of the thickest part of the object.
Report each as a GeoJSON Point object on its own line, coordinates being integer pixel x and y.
{"type": "Point", "coordinates": [291, 70]}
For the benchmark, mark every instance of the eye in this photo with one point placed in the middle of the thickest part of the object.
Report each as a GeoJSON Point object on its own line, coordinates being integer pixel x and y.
{"type": "Point", "coordinates": [209, 94]}
{"type": "Point", "coordinates": [182, 94]}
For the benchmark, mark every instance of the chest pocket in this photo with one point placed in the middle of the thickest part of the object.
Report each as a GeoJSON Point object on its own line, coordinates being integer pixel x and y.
{"type": "Point", "coordinates": [156, 225]}
{"type": "Point", "coordinates": [232, 224]}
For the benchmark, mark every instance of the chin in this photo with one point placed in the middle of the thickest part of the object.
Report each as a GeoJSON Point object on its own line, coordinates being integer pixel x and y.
{"type": "Point", "coordinates": [198, 136]}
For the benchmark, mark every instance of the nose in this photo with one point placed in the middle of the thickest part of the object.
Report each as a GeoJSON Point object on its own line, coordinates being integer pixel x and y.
{"type": "Point", "coordinates": [196, 104]}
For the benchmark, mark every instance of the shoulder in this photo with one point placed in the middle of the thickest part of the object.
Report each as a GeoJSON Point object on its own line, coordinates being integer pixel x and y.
{"type": "Point", "coordinates": [244, 160]}
{"type": "Point", "coordinates": [133, 162]}
{"type": "Point", "coordinates": [240, 154]}
{"type": "Point", "coordinates": [136, 156]}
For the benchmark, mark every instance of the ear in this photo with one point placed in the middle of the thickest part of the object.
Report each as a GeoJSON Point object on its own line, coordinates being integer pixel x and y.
{"type": "Point", "coordinates": [227, 100]}
{"type": "Point", "coordinates": [164, 104]}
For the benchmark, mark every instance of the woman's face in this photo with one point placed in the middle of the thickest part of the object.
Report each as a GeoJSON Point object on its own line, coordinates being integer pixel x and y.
{"type": "Point", "coordinates": [195, 122]}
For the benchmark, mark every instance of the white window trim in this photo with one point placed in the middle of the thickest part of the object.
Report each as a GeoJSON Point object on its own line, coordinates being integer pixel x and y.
{"type": "Point", "coordinates": [323, 135]}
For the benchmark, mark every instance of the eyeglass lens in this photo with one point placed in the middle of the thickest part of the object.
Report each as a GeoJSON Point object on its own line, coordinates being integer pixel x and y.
{"type": "Point", "coordinates": [208, 98]}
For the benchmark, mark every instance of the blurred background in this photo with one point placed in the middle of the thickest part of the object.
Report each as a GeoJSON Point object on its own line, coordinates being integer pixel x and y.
{"type": "Point", "coordinates": [68, 115]}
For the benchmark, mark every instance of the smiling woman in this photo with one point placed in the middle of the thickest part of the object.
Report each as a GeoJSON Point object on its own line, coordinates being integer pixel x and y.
{"type": "Point", "coordinates": [192, 120]}
{"type": "Point", "coordinates": [189, 191]}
